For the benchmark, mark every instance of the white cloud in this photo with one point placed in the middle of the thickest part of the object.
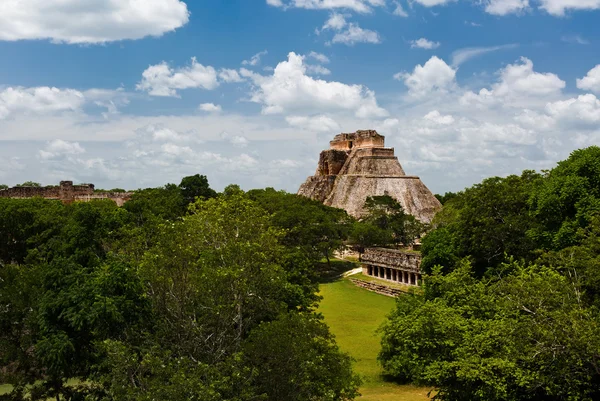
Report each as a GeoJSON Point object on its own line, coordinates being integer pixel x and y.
{"type": "Point", "coordinates": [239, 141]}
{"type": "Point", "coordinates": [177, 151]}
{"type": "Point", "coordinates": [348, 33]}
{"type": "Point", "coordinates": [255, 60]}
{"type": "Point", "coordinates": [585, 108]}
{"type": "Point", "coordinates": [399, 11]}
{"type": "Point", "coordinates": [505, 7]}
{"type": "Point", "coordinates": [319, 123]}
{"type": "Point", "coordinates": [39, 100]}
{"type": "Point", "coordinates": [335, 22]}
{"type": "Point", "coordinates": [517, 81]}
{"type": "Point", "coordinates": [100, 21]}
{"type": "Point", "coordinates": [461, 56]}
{"type": "Point", "coordinates": [560, 7]}
{"type": "Point", "coordinates": [284, 163]}
{"type": "Point", "coordinates": [432, 3]}
{"type": "Point", "coordinates": [577, 39]}
{"type": "Point", "coordinates": [591, 81]}
{"type": "Point", "coordinates": [423, 43]}
{"type": "Point", "coordinates": [162, 80]}
{"type": "Point", "coordinates": [290, 90]}
{"type": "Point", "coordinates": [434, 75]}
{"type": "Point", "coordinates": [437, 118]}
{"type": "Point", "coordinates": [317, 70]}
{"type": "Point", "coordinates": [321, 58]}
{"type": "Point", "coordinates": [355, 34]}
{"type": "Point", "coordinates": [360, 6]}
{"type": "Point", "coordinates": [229, 76]}
{"type": "Point", "coordinates": [58, 148]}
{"type": "Point", "coordinates": [210, 108]}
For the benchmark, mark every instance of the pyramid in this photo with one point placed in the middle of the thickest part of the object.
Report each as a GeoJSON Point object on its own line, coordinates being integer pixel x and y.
{"type": "Point", "coordinates": [357, 166]}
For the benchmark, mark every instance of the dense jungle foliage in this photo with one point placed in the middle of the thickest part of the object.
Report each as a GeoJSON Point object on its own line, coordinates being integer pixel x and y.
{"type": "Point", "coordinates": [509, 309]}
{"type": "Point", "coordinates": [182, 294]}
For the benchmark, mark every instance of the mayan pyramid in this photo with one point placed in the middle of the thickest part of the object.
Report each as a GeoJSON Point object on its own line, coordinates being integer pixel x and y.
{"type": "Point", "coordinates": [358, 165]}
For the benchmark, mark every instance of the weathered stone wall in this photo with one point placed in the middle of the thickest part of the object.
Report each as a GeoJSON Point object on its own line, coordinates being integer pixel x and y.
{"type": "Point", "coordinates": [66, 192]}
{"type": "Point", "coordinates": [358, 139]}
{"type": "Point", "coordinates": [317, 187]}
{"type": "Point", "coordinates": [393, 258]}
{"type": "Point", "coordinates": [331, 162]}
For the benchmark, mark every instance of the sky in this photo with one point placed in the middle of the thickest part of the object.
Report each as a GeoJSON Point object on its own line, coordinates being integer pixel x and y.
{"type": "Point", "coordinates": [139, 93]}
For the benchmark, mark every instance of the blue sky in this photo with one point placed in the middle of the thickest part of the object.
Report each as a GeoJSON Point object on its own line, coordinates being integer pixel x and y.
{"type": "Point", "coordinates": [134, 93]}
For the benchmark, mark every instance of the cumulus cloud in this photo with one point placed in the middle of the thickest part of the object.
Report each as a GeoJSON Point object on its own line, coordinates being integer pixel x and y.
{"type": "Point", "coordinates": [162, 80]}
{"type": "Point", "coordinates": [229, 76]}
{"type": "Point", "coordinates": [255, 60]}
{"type": "Point", "coordinates": [591, 81]}
{"type": "Point", "coordinates": [58, 148]}
{"type": "Point", "coordinates": [291, 90]}
{"type": "Point", "coordinates": [239, 141]}
{"type": "Point", "coordinates": [517, 81]}
{"type": "Point", "coordinates": [560, 7]}
{"type": "Point", "coordinates": [355, 34]}
{"type": "Point", "coordinates": [437, 118]}
{"type": "Point", "coordinates": [423, 43]}
{"type": "Point", "coordinates": [434, 75]}
{"type": "Point", "coordinates": [335, 22]}
{"type": "Point", "coordinates": [39, 100]}
{"type": "Point", "coordinates": [585, 108]}
{"type": "Point", "coordinates": [348, 33]}
{"type": "Point", "coordinates": [99, 21]}
{"type": "Point", "coordinates": [504, 7]}
{"type": "Point", "coordinates": [210, 107]}
{"type": "Point", "coordinates": [319, 123]}
{"type": "Point", "coordinates": [360, 6]}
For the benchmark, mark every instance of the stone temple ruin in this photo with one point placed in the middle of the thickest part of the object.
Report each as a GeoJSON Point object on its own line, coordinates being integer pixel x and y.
{"type": "Point", "coordinates": [392, 265]}
{"type": "Point", "coordinates": [65, 192]}
{"type": "Point", "coordinates": [358, 165]}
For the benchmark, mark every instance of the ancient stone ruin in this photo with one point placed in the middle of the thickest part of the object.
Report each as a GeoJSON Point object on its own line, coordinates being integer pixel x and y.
{"type": "Point", "coordinates": [65, 192]}
{"type": "Point", "coordinates": [358, 165]}
{"type": "Point", "coordinates": [392, 265]}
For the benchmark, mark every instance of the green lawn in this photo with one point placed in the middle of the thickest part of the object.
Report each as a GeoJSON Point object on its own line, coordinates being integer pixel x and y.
{"type": "Point", "coordinates": [5, 389]}
{"type": "Point", "coordinates": [354, 314]}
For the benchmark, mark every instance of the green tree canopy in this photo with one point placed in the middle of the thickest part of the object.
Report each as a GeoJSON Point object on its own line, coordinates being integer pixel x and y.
{"type": "Point", "coordinates": [196, 186]}
{"type": "Point", "coordinates": [524, 336]}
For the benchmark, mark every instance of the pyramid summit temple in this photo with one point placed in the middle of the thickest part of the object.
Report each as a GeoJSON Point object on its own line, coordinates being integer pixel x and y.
{"type": "Point", "coordinates": [357, 166]}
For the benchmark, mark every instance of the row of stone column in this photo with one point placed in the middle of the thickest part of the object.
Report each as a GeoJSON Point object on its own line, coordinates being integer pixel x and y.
{"type": "Point", "coordinates": [398, 276]}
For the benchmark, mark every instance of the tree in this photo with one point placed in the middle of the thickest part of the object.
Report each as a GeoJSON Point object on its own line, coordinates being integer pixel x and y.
{"type": "Point", "coordinates": [446, 197]}
{"type": "Point", "coordinates": [283, 353]}
{"type": "Point", "coordinates": [523, 336]}
{"type": "Point", "coordinates": [3, 186]}
{"type": "Point", "coordinates": [317, 229]}
{"type": "Point", "coordinates": [29, 184]}
{"type": "Point", "coordinates": [386, 224]}
{"type": "Point", "coordinates": [567, 200]}
{"type": "Point", "coordinates": [487, 222]}
{"type": "Point", "coordinates": [196, 186]}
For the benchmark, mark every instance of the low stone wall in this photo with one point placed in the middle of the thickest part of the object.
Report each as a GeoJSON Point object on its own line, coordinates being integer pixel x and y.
{"type": "Point", "coordinates": [65, 192]}
{"type": "Point", "coordinates": [378, 288]}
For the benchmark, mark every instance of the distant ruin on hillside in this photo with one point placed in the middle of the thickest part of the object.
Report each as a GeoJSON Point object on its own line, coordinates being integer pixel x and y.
{"type": "Point", "coordinates": [65, 192]}
{"type": "Point", "coordinates": [357, 166]}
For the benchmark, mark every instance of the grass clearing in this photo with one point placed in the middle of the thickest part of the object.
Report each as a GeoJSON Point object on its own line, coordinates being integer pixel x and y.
{"type": "Point", "coordinates": [5, 389]}
{"type": "Point", "coordinates": [354, 315]}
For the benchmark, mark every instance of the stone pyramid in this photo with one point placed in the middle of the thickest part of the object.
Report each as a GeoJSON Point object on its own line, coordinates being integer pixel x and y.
{"type": "Point", "coordinates": [358, 165]}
